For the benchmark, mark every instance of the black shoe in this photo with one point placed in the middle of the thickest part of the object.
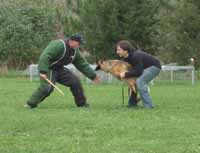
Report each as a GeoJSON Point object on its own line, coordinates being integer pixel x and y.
{"type": "Point", "coordinates": [84, 105]}
{"type": "Point", "coordinates": [131, 106]}
{"type": "Point", "coordinates": [29, 106]}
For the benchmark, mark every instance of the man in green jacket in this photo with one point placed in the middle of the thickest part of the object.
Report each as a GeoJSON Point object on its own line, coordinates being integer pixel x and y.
{"type": "Point", "coordinates": [51, 65]}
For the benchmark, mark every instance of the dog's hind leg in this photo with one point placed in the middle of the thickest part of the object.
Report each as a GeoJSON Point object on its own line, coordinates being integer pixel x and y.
{"type": "Point", "coordinates": [133, 88]}
{"type": "Point", "coordinates": [132, 85]}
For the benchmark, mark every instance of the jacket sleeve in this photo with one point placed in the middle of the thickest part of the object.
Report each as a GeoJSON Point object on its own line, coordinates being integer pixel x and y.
{"type": "Point", "coordinates": [51, 53]}
{"type": "Point", "coordinates": [83, 66]}
{"type": "Point", "coordinates": [136, 71]}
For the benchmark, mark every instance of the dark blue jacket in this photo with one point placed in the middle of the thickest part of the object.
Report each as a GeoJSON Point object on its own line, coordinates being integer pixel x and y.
{"type": "Point", "coordinates": [140, 61]}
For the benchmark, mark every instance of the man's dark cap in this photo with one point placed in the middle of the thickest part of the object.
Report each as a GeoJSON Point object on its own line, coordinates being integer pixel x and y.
{"type": "Point", "coordinates": [77, 37]}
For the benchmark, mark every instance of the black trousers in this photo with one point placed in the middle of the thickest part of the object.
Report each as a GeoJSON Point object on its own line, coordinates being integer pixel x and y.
{"type": "Point", "coordinates": [64, 77]}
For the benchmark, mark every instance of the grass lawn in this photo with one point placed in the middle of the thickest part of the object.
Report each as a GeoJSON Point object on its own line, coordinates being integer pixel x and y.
{"type": "Point", "coordinates": [58, 126]}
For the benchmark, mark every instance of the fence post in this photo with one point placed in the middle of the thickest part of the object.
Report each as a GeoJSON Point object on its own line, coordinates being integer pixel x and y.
{"type": "Point", "coordinates": [31, 73]}
{"type": "Point", "coordinates": [172, 76]}
{"type": "Point", "coordinates": [193, 76]}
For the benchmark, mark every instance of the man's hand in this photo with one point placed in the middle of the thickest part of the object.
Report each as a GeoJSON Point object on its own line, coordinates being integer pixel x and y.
{"type": "Point", "coordinates": [43, 76]}
{"type": "Point", "coordinates": [122, 75]}
{"type": "Point", "coordinates": [97, 80]}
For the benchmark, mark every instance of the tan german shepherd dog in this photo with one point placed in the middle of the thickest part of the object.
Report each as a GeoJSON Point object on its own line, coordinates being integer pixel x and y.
{"type": "Point", "coordinates": [115, 67]}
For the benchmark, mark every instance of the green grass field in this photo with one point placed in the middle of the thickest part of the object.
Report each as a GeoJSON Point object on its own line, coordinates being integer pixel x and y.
{"type": "Point", "coordinates": [58, 126]}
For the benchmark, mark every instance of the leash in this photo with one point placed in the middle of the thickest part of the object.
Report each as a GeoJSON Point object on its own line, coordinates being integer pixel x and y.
{"type": "Point", "coordinates": [123, 93]}
{"type": "Point", "coordinates": [129, 93]}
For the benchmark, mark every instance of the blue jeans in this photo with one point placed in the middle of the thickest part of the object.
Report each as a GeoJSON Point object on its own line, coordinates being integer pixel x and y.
{"type": "Point", "coordinates": [141, 82]}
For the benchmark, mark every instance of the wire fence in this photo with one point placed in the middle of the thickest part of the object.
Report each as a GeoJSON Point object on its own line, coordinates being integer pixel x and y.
{"type": "Point", "coordinates": [168, 73]}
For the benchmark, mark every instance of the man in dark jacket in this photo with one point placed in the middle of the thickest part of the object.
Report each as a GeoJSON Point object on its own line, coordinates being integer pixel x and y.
{"type": "Point", "coordinates": [51, 65]}
{"type": "Point", "coordinates": [145, 68]}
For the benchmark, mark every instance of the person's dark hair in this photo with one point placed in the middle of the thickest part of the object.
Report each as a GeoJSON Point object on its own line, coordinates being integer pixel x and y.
{"type": "Point", "coordinates": [125, 45]}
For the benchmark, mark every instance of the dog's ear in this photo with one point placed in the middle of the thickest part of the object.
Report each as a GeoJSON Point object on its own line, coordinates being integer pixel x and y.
{"type": "Point", "coordinates": [104, 59]}
{"type": "Point", "coordinates": [97, 68]}
{"type": "Point", "coordinates": [99, 62]}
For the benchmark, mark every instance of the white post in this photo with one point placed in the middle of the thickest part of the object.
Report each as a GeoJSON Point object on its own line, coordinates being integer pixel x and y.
{"type": "Point", "coordinates": [193, 70]}
{"type": "Point", "coordinates": [193, 76]}
{"type": "Point", "coordinates": [31, 73]}
{"type": "Point", "coordinates": [172, 76]}
{"type": "Point", "coordinates": [109, 78]}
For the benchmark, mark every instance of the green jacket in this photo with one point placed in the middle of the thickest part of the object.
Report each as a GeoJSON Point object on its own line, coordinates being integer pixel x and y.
{"type": "Point", "coordinates": [58, 53]}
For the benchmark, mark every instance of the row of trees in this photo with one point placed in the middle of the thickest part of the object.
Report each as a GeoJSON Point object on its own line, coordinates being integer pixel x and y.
{"type": "Point", "coordinates": [25, 28]}
{"type": "Point", "coordinates": [179, 31]}
{"type": "Point", "coordinates": [168, 29]}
